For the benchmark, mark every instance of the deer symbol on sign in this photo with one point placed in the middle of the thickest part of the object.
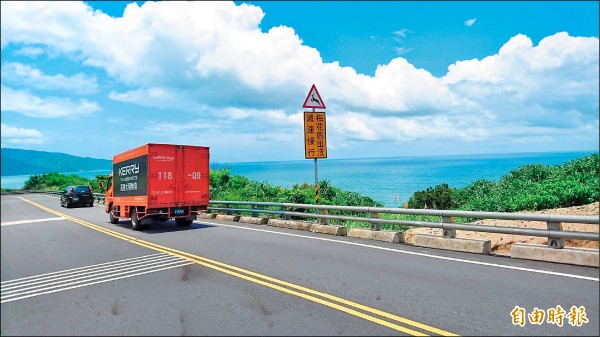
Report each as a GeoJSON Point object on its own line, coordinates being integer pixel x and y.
{"type": "Point", "coordinates": [313, 99]}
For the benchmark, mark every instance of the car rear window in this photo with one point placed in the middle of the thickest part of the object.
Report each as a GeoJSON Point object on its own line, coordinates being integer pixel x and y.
{"type": "Point", "coordinates": [80, 189]}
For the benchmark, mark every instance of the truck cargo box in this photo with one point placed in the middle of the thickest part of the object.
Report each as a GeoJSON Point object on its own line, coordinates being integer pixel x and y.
{"type": "Point", "coordinates": [162, 175]}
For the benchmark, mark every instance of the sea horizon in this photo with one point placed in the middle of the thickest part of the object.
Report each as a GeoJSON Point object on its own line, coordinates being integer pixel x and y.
{"type": "Point", "coordinates": [353, 158]}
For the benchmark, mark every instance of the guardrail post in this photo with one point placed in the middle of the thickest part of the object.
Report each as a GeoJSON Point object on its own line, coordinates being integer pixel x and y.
{"type": "Point", "coordinates": [323, 220]}
{"type": "Point", "coordinates": [285, 216]}
{"type": "Point", "coordinates": [229, 211]}
{"type": "Point", "coordinates": [254, 213]}
{"type": "Point", "coordinates": [555, 242]}
{"type": "Point", "coordinates": [448, 233]}
{"type": "Point", "coordinates": [375, 226]}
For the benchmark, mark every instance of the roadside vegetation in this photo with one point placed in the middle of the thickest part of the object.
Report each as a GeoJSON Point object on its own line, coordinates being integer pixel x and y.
{"type": "Point", "coordinates": [531, 187]}
{"type": "Point", "coordinates": [57, 182]}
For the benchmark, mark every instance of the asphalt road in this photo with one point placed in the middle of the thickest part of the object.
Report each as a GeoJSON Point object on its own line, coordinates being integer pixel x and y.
{"type": "Point", "coordinates": [71, 272]}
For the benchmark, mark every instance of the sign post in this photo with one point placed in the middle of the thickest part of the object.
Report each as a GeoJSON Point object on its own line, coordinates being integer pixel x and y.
{"type": "Point", "coordinates": [315, 132]}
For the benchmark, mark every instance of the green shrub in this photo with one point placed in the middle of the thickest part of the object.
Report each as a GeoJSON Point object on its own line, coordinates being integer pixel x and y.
{"type": "Point", "coordinates": [531, 187]}
{"type": "Point", "coordinates": [438, 197]}
{"type": "Point", "coordinates": [54, 181]}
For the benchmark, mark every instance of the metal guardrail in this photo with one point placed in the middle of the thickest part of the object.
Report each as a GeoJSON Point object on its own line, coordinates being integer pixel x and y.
{"type": "Point", "coordinates": [553, 232]}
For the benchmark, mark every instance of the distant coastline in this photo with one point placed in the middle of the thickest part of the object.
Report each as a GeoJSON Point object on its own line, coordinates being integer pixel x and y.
{"type": "Point", "coordinates": [18, 181]}
{"type": "Point", "coordinates": [16, 162]}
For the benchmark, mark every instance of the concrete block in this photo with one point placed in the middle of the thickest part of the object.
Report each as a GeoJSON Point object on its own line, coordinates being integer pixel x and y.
{"type": "Point", "coordinates": [206, 215]}
{"type": "Point", "coordinates": [290, 224]}
{"type": "Point", "coordinates": [458, 244]}
{"type": "Point", "coordinates": [568, 255]}
{"type": "Point", "coordinates": [384, 235]}
{"type": "Point", "coordinates": [329, 229]}
{"type": "Point", "coordinates": [254, 220]}
{"type": "Point", "coordinates": [225, 217]}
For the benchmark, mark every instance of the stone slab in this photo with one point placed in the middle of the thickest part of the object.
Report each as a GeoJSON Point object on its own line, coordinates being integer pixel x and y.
{"type": "Point", "coordinates": [225, 217]}
{"type": "Point", "coordinates": [384, 235]}
{"type": "Point", "coordinates": [254, 220]}
{"type": "Point", "coordinates": [457, 244]}
{"type": "Point", "coordinates": [568, 255]}
{"type": "Point", "coordinates": [329, 229]}
{"type": "Point", "coordinates": [291, 224]}
{"type": "Point", "coordinates": [206, 215]}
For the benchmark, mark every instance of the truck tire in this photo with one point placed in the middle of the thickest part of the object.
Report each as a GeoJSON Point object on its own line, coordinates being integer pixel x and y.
{"type": "Point", "coordinates": [135, 222]}
{"type": "Point", "coordinates": [183, 221]}
{"type": "Point", "coordinates": [111, 214]}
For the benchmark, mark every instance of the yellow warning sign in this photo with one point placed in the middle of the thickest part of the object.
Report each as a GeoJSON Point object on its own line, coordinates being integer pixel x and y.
{"type": "Point", "coordinates": [315, 135]}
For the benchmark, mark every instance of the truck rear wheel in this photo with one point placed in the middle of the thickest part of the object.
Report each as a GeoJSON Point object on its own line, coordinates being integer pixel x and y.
{"type": "Point", "coordinates": [111, 215]}
{"type": "Point", "coordinates": [135, 221]}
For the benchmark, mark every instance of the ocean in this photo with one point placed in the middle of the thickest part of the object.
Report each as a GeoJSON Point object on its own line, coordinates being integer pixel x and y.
{"type": "Point", "coordinates": [19, 181]}
{"type": "Point", "coordinates": [391, 181]}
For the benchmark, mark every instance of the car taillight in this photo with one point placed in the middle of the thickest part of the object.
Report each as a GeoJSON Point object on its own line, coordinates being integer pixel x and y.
{"type": "Point", "coordinates": [71, 191]}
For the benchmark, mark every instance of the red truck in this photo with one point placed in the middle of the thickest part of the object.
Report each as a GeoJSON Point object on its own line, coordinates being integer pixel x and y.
{"type": "Point", "coordinates": [158, 182]}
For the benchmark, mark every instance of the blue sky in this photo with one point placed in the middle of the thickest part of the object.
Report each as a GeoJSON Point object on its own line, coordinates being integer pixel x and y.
{"type": "Point", "coordinates": [398, 78]}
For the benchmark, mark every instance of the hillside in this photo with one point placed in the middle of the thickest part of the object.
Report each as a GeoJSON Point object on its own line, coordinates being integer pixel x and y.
{"type": "Point", "coordinates": [22, 162]}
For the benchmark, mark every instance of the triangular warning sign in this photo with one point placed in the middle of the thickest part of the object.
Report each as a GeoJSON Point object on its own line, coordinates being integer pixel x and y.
{"type": "Point", "coordinates": [313, 100]}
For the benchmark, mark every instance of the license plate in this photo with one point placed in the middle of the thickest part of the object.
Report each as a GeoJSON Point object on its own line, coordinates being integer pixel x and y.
{"type": "Point", "coordinates": [178, 211]}
{"type": "Point", "coordinates": [75, 199]}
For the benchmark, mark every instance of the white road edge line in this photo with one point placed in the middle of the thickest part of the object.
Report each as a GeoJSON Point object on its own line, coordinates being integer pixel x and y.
{"type": "Point", "coordinates": [419, 254]}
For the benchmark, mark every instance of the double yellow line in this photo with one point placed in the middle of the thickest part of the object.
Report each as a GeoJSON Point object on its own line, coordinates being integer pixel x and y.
{"type": "Point", "coordinates": [331, 301]}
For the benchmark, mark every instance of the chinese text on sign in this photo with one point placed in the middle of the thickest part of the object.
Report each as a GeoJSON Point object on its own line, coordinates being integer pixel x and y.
{"type": "Point", "coordinates": [315, 136]}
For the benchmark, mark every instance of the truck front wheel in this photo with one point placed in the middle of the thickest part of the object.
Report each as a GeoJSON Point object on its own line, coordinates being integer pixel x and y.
{"type": "Point", "coordinates": [135, 221]}
{"type": "Point", "coordinates": [111, 215]}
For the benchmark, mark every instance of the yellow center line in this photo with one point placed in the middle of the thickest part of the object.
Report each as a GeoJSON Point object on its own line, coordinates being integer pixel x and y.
{"type": "Point", "coordinates": [270, 282]}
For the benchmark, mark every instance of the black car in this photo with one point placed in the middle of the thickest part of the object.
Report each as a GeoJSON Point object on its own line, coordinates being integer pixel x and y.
{"type": "Point", "coordinates": [81, 195]}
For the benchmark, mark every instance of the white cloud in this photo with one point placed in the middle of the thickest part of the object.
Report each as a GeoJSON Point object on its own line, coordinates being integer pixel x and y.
{"type": "Point", "coordinates": [56, 24]}
{"type": "Point", "coordinates": [211, 61]}
{"type": "Point", "coordinates": [400, 87]}
{"type": "Point", "coordinates": [553, 84]}
{"type": "Point", "coordinates": [402, 33]}
{"type": "Point", "coordinates": [16, 135]}
{"type": "Point", "coordinates": [31, 51]}
{"type": "Point", "coordinates": [402, 50]}
{"type": "Point", "coordinates": [44, 107]}
{"type": "Point", "coordinates": [361, 127]}
{"type": "Point", "coordinates": [158, 97]}
{"type": "Point", "coordinates": [470, 22]}
{"type": "Point", "coordinates": [207, 45]}
{"type": "Point", "coordinates": [560, 69]}
{"type": "Point", "coordinates": [22, 74]}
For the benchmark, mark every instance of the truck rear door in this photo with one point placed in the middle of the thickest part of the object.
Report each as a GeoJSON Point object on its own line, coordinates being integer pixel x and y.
{"type": "Point", "coordinates": [194, 188]}
{"type": "Point", "coordinates": [162, 175]}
